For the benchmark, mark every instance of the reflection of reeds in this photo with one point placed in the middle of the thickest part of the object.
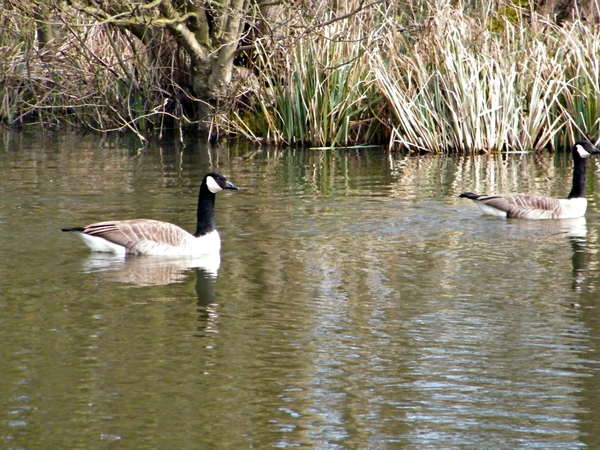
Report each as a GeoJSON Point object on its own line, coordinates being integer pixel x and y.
{"type": "Point", "coordinates": [364, 216]}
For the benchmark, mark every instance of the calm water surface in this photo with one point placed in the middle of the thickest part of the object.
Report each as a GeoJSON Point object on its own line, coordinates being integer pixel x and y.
{"type": "Point", "coordinates": [358, 303]}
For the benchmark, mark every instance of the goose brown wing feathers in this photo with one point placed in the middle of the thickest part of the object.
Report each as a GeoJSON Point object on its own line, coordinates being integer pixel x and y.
{"type": "Point", "coordinates": [509, 201]}
{"type": "Point", "coordinates": [524, 205]}
{"type": "Point", "coordinates": [130, 233]}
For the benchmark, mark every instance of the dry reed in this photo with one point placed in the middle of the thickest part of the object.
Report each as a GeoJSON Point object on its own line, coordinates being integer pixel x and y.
{"type": "Point", "coordinates": [432, 77]}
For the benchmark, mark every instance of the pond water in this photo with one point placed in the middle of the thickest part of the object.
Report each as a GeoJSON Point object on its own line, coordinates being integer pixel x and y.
{"type": "Point", "coordinates": [359, 303]}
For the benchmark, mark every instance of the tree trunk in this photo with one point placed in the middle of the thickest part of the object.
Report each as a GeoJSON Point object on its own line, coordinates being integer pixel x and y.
{"type": "Point", "coordinates": [211, 54]}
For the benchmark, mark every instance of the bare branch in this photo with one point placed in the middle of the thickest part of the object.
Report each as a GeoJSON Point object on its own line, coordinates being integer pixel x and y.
{"type": "Point", "coordinates": [181, 32]}
{"type": "Point", "coordinates": [356, 10]}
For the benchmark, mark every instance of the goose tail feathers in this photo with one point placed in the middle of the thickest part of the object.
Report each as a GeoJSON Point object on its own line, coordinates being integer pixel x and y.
{"type": "Point", "coordinates": [469, 195]}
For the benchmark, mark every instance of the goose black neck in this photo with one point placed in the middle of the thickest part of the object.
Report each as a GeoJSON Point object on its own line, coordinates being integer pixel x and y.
{"type": "Point", "coordinates": [206, 212]}
{"type": "Point", "coordinates": [579, 169]}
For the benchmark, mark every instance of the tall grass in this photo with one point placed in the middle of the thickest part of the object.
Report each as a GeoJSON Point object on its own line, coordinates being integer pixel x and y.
{"type": "Point", "coordinates": [459, 86]}
{"type": "Point", "coordinates": [324, 95]}
{"type": "Point", "coordinates": [492, 80]}
{"type": "Point", "coordinates": [577, 47]}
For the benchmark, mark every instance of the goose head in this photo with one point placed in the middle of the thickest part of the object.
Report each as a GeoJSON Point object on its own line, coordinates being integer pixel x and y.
{"type": "Point", "coordinates": [583, 149]}
{"type": "Point", "coordinates": [215, 182]}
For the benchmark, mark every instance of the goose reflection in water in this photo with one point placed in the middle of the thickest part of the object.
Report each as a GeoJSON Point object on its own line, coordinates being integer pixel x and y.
{"type": "Point", "coordinates": [146, 271]}
{"type": "Point", "coordinates": [149, 270]}
{"type": "Point", "coordinates": [577, 234]}
{"type": "Point", "coordinates": [574, 230]}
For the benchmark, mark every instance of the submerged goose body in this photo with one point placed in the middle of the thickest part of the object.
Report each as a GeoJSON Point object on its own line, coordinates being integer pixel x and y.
{"type": "Point", "coordinates": [153, 237]}
{"type": "Point", "coordinates": [532, 206]}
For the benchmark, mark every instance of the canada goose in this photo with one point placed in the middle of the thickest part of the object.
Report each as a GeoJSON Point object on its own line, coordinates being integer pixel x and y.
{"type": "Point", "coordinates": [532, 206]}
{"type": "Point", "coordinates": [153, 237]}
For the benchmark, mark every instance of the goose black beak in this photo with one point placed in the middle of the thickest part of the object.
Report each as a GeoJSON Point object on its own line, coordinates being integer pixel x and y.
{"type": "Point", "coordinates": [230, 185]}
{"type": "Point", "coordinates": [595, 150]}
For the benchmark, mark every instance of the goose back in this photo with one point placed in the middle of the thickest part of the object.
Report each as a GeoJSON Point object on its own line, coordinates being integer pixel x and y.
{"type": "Point", "coordinates": [528, 206]}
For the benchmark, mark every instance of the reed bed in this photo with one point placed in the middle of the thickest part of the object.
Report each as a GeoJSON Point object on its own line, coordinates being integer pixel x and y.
{"type": "Point", "coordinates": [456, 83]}
{"type": "Point", "coordinates": [456, 88]}
{"type": "Point", "coordinates": [437, 77]}
{"type": "Point", "coordinates": [460, 86]}
{"type": "Point", "coordinates": [320, 91]}
{"type": "Point", "coordinates": [577, 47]}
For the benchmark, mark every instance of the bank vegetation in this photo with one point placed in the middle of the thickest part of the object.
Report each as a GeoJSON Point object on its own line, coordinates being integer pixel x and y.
{"type": "Point", "coordinates": [434, 76]}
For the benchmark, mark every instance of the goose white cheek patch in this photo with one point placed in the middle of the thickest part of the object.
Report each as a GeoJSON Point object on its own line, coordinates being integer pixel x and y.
{"type": "Point", "coordinates": [582, 152]}
{"type": "Point", "coordinates": [212, 185]}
